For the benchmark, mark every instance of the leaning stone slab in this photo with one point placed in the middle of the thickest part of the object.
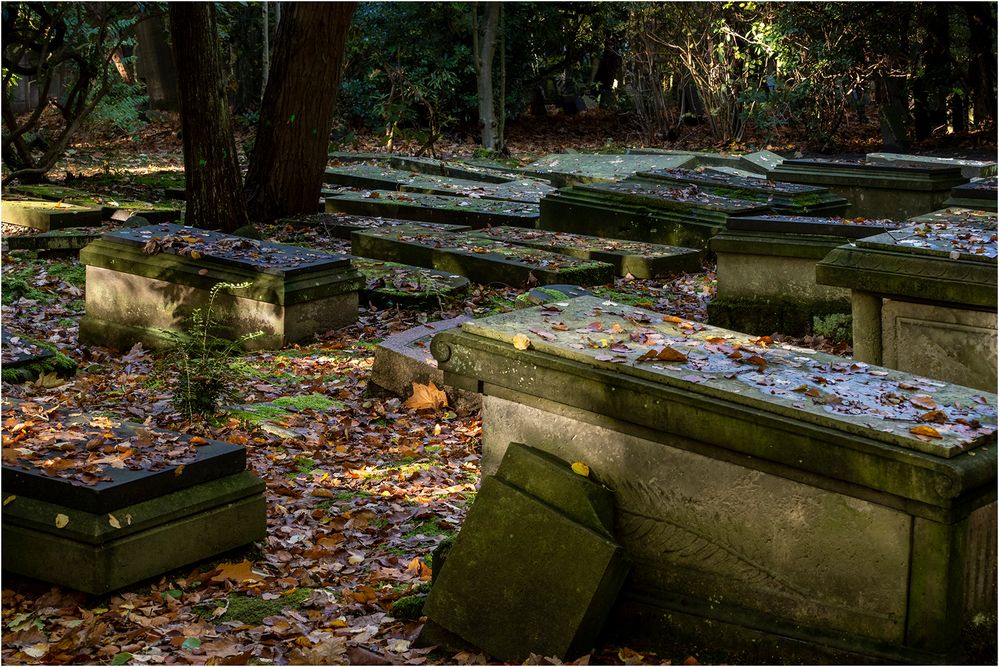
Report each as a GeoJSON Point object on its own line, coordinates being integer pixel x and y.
{"type": "Point", "coordinates": [969, 168]}
{"type": "Point", "coordinates": [876, 189]}
{"type": "Point", "coordinates": [47, 215]}
{"type": "Point", "coordinates": [112, 208]}
{"type": "Point", "coordinates": [535, 568]}
{"type": "Point", "coordinates": [766, 272]}
{"type": "Point", "coordinates": [981, 193]}
{"type": "Point", "coordinates": [403, 284]}
{"type": "Point", "coordinates": [478, 259]}
{"type": "Point", "coordinates": [873, 477]}
{"type": "Point", "coordinates": [25, 359]}
{"type": "Point", "coordinates": [378, 177]}
{"type": "Point", "coordinates": [140, 503]}
{"type": "Point", "coordinates": [959, 217]}
{"type": "Point", "coordinates": [923, 300]}
{"type": "Point", "coordinates": [60, 239]}
{"type": "Point", "coordinates": [573, 168]}
{"type": "Point", "coordinates": [144, 283]}
{"type": "Point", "coordinates": [641, 260]}
{"type": "Point", "coordinates": [434, 208]}
{"type": "Point", "coordinates": [404, 358]}
{"type": "Point", "coordinates": [782, 198]}
{"type": "Point", "coordinates": [651, 213]}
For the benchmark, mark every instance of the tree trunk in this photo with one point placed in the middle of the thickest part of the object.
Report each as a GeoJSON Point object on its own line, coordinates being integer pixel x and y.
{"type": "Point", "coordinates": [891, 97]}
{"type": "Point", "coordinates": [296, 117]}
{"type": "Point", "coordinates": [246, 44]}
{"type": "Point", "coordinates": [484, 39]}
{"type": "Point", "coordinates": [265, 53]}
{"type": "Point", "coordinates": [932, 85]}
{"type": "Point", "coordinates": [982, 63]}
{"type": "Point", "coordinates": [156, 62]}
{"type": "Point", "coordinates": [211, 170]}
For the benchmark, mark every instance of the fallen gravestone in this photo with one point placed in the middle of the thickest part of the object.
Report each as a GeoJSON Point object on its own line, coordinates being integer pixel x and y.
{"type": "Point", "coordinates": [766, 274]}
{"type": "Point", "coordinates": [980, 193]}
{"type": "Point", "coordinates": [404, 358]}
{"type": "Point", "coordinates": [377, 177]}
{"type": "Point", "coordinates": [389, 283]}
{"type": "Point", "coordinates": [759, 163]}
{"type": "Point", "coordinates": [535, 568]}
{"type": "Point", "coordinates": [133, 503]}
{"type": "Point", "coordinates": [143, 284]}
{"type": "Point", "coordinates": [969, 168]}
{"type": "Point", "coordinates": [881, 481]}
{"type": "Point", "coordinates": [47, 215]}
{"type": "Point", "coordinates": [781, 198]}
{"type": "Point", "coordinates": [649, 213]}
{"type": "Point", "coordinates": [341, 225]}
{"type": "Point", "coordinates": [923, 300]}
{"type": "Point", "coordinates": [112, 208]}
{"type": "Point", "coordinates": [575, 168]}
{"type": "Point", "coordinates": [450, 168]}
{"type": "Point", "coordinates": [876, 189]}
{"type": "Point", "coordinates": [25, 359]}
{"type": "Point", "coordinates": [641, 260]}
{"type": "Point", "coordinates": [480, 260]}
{"type": "Point", "coordinates": [434, 208]}
{"type": "Point", "coordinates": [960, 217]}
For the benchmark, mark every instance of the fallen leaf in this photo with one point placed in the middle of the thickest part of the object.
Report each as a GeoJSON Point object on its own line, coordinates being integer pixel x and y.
{"type": "Point", "coordinates": [426, 397]}
{"type": "Point", "coordinates": [521, 342]}
{"type": "Point", "coordinates": [61, 520]}
{"type": "Point", "coordinates": [665, 354]}
{"type": "Point", "coordinates": [49, 380]}
{"type": "Point", "coordinates": [581, 468]}
{"type": "Point", "coordinates": [8, 500]}
{"type": "Point", "coordinates": [927, 431]}
{"type": "Point", "coordinates": [114, 521]}
{"type": "Point", "coordinates": [923, 401]}
{"type": "Point", "coordinates": [237, 572]}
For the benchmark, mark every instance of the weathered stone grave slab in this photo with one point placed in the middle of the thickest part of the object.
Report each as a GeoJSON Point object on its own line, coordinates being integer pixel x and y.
{"type": "Point", "coordinates": [641, 212]}
{"type": "Point", "coordinates": [47, 215]}
{"type": "Point", "coordinates": [766, 272]}
{"type": "Point", "coordinates": [782, 198]}
{"type": "Point", "coordinates": [876, 189]}
{"type": "Point", "coordinates": [872, 477]}
{"type": "Point", "coordinates": [112, 208]}
{"type": "Point", "coordinates": [378, 177]}
{"type": "Point", "coordinates": [96, 505]}
{"type": "Point", "coordinates": [641, 260]}
{"type": "Point", "coordinates": [981, 193]}
{"type": "Point", "coordinates": [423, 165]}
{"type": "Point", "coordinates": [760, 163]}
{"type": "Point", "coordinates": [541, 536]}
{"type": "Point", "coordinates": [144, 283]}
{"type": "Point", "coordinates": [573, 168]}
{"type": "Point", "coordinates": [25, 359]}
{"type": "Point", "coordinates": [923, 300]}
{"type": "Point", "coordinates": [478, 259]}
{"type": "Point", "coordinates": [957, 216]}
{"type": "Point", "coordinates": [392, 283]}
{"type": "Point", "coordinates": [404, 358]}
{"type": "Point", "coordinates": [969, 168]}
{"type": "Point", "coordinates": [434, 208]}
{"type": "Point", "coordinates": [341, 225]}
{"type": "Point", "coordinates": [60, 239]}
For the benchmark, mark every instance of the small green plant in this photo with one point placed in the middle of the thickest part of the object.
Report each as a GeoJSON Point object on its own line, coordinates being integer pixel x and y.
{"type": "Point", "coordinates": [837, 327]}
{"type": "Point", "coordinates": [203, 360]}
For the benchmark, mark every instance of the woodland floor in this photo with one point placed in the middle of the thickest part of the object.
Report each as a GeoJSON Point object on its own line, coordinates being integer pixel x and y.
{"type": "Point", "coordinates": [357, 500]}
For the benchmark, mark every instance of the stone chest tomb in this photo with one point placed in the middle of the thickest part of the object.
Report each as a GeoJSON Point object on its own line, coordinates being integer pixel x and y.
{"type": "Point", "coordinates": [146, 281]}
{"type": "Point", "coordinates": [767, 496]}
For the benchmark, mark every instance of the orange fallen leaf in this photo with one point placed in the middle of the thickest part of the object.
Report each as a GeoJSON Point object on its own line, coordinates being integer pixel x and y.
{"type": "Point", "coordinates": [426, 397]}
{"type": "Point", "coordinates": [521, 342]}
{"type": "Point", "coordinates": [933, 416]}
{"type": "Point", "coordinates": [927, 431]}
{"type": "Point", "coordinates": [581, 468]}
{"type": "Point", "coordinates": [237, 572]}
{"type": "Point", "coordinates": [665, 354]}
{"type": "Point", "coordinates": [923, 401]}
{"type": "Point", "coordinates": [198, 440]}
{"type": "Point", "coordinates": [672, 318]}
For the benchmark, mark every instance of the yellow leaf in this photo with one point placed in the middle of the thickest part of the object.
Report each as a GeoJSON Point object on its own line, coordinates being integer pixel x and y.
{"type": "Point", "coordinates": [521, 342]}
{"type": "Point", "coordinates": [61, 520]}
{"type": "Point", "coordinates": [927, 431]}
{"type": "Point", "coordinates": [581, 468]}
{"type": "Point", "coordinates": [195, 254]}
{"type": "Point", "coordinates": [8, 500]}
{"type": "Point", "coordinates": [426, 397]}
{"type": "Point", "coordinates": [672, 318]}
{"type": "Point", "coordinates": [49, 380]}
{"type": "Point", "coordinates": [114, 521]}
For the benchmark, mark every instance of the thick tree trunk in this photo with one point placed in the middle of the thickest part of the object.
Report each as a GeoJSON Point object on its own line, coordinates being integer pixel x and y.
{"type": "Point", "coordinates": [214, 195]}
{"type": "Point", "coordinates": [891, 97]}
{"type": "Point", "coordinates": [485, 50]}
{"type": "Point", "coordinates": [245, 39]}
{"type": "Point", "coordinates": [156, 63]}
{"type": "Point", "coordinates": [932, 85]}
{"type": "Point", "coordinates": [290, 150]}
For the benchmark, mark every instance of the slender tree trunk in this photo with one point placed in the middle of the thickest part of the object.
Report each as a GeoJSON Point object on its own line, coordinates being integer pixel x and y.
{"type": "Point", "coordinates": [156, 62]}
{"type": "Point", "coordinates": [484, 45]}
{"type": "Point", "coordinates": [982, 63]}
{"type": "Point", "coordinates": [265, 54]}
{"type": "Point", "coordinates": [211, 170]}
{"type": "Point", "coordinates": [296, 117]}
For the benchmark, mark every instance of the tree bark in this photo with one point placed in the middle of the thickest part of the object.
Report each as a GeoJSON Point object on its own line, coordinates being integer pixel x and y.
{"type": "Point", "coordinates": [982, 65]}
{"type": "Point", "coordinates": [211, 169]}
{"type": "Point", "coordinates": [156, 63]}
{"type": "Point", "coordinates": [296, 117]}
{"type": "Point", "coordinates": [484, 45]}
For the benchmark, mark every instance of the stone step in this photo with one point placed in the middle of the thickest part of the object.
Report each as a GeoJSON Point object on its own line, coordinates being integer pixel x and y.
{"type": "Point", "coordinates": [434, 208]}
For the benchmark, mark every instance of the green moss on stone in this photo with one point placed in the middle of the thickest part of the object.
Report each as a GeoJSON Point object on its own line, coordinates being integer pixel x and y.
{"type": "Point", "coordinates": [253, 610]}
{"type": "Point", "coordinates": [308, 402]}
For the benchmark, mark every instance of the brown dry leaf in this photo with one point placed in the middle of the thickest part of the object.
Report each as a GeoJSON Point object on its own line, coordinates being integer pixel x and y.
{"type": "Point", "coordinates": [330, 650]}
{"type": "Point", "coordinates": [927, 431]}
{"type": "Point", "coordinates": [923, 401]}
{"type": "Point", "coordinates": [238, 572]}
{"type": "Point", "coordinates": [665, 354]}
{"type": "Point", "coordinates": [521, 342]}
{"type": "Point", "coordinates": [426, 397]}
{"type": "Point", "coordinates": [49, 380]}
{"type": "Point", "coordinates": [113, 520]}
{"type": "Point", "coordinates": [757, 360]}
{"type": "Point", "coordinates": [934, 416]}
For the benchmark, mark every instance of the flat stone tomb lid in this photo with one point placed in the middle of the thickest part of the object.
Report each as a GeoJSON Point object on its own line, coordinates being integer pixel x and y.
{"type": "Point", "coordinates": [853, 228]}
{"type": "Point", "coordinates": [443, 202]}
{"type": "Point", "coordinates": [522, 190]}
{"type": "Point", "coordinates": [715, 179]}
{"type": "Point", "coordinates": [407, 279]}
{"type": "Point", "coordinates": [673, 196]}
{"type": "Point", "coordinates": [964, 217]}
{"type": "Point", "coordinates": [867, 165]}
{"type": "Point", "coordinates": [195, 243]}
{"type": "Point", "coordinates": [598, 165]}
{"type": "Point", "coordinates": [868, 401]}
{"type": "Point", "coordinates": [981, 188]}
{"type": "Point", "coordinates": [938, 240]}
{"type": "Point", "coordinates": [96, 464]}
{"type": "Point", "coordinates": [341, 225]}
{"type": "Point", "coordinates": [929, 159]}
{"type": "Point", "coordinates": [557, 240]}
{"type": "Point", "coordinates": [17, 350]}
{"type": "Point", "coordinates": [83, 198]}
